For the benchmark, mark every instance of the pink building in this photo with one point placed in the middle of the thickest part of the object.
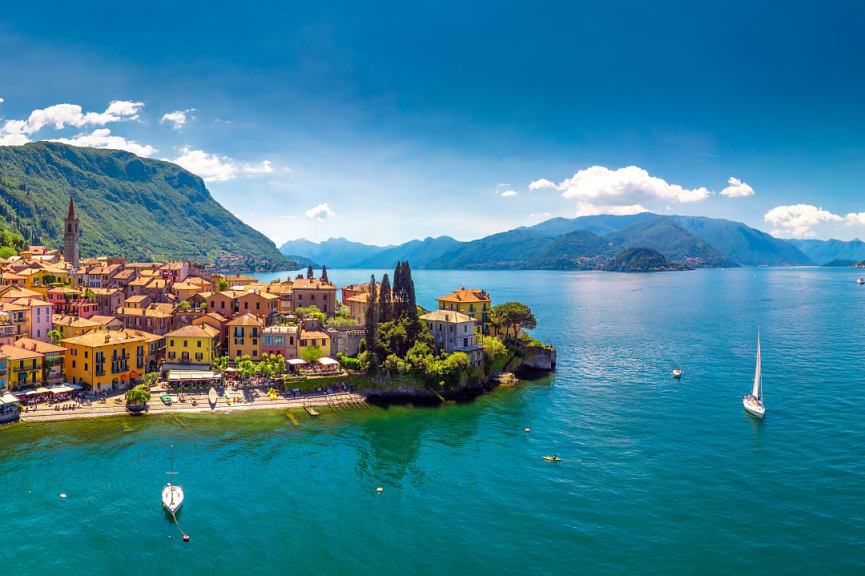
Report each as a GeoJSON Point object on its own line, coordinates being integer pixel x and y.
{"type": "Point", "coordinates": [39, 322]}
{"type": "Point", "coordinates": [71, 302]}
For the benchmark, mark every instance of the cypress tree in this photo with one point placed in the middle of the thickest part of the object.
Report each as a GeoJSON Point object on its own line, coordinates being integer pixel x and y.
{"type": "Point", "coordinates": [371, 325]}
{"type": "Point", "coordinates": [385, 304]}
{"type": "Point", "coordinates": [408, 292]}
{"type": "Point", "coordinates": [398, 302]}
{"type": "Point", "coordinates": [324, 274]}
{"type": "Point", "coordinates": [309, 273]}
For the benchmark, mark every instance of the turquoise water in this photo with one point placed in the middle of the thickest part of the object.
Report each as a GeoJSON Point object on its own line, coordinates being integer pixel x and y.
{"type": "Point", "coordinates": [657, 475]}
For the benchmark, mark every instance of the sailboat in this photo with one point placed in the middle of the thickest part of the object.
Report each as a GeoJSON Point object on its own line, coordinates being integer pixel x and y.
{"type": "Point", "coordinates": [753, 402]}
{"type": "Point", "coordinates": [172, 494]}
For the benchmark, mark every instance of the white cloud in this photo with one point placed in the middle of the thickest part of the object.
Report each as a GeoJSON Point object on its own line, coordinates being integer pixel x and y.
{"type": "Point", "coordinates": [60, 116]}
{"type": "Point", "coordinates": [177, 118]}
{"type": "Point", "coordinates": [798, 220]}
{"type": "Point", "coordinates": [855, 219]}
{"type": "Point", "coordinates": [541, 184]}
{"type": "Point", "coordinates": [2, 100]}
{"type": "Point", "coordinates": [499, 185]}
{"type": "Point", "coordinates": [320, 212]}
{"type": "Point", "coordinates": [508, 193]}
{"type": "Point", "coordinates": [737, 189]}
{"type": "Point", "coordinates": [599, 190]}
{"type": "Point", "coordinates": [102, 138]}
{"type": "Point", "coordinates": [210, 167]}
{"type": "Point", "coordinates": [539, 215]}
{"type": "Point", "coordinates": [260, 168]}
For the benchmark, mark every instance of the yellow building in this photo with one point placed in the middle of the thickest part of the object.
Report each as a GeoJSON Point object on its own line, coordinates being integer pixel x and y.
{"type": "Point", "coordinates": [243, 334]}
{"type": "Point", "coordinates": [192, 345]}
{"type": "Point", "coordinates": [107, 358]}
{"type": "Point", "coordinates": [25, 366]}
{"type": "Point", "coordinates": [309, 338]}
{"type": "Point", "coordinates": [71, 326]}
{"type": "Point", "coordinates": [474, 303]}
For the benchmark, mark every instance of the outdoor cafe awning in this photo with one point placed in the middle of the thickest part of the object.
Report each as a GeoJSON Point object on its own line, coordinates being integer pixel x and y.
{"type": "Point", "coordinates": [186, 375]}
{"type": "Point", "coordinates": [8, 398]}
{"type": "Point", "coordinates": [325, 361]}
{"type": "Point", "coordinates": [61, 389]}
{"type": "Point", "coordinates": [297, 361]}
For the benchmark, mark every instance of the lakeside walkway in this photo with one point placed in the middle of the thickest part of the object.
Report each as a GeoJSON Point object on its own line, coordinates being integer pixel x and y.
{"type": "Point", "coordinates": [249, 399]}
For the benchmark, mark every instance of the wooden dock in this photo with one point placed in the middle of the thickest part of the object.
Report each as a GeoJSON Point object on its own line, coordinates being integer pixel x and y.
{"type": "Point", "coordinates": [310, 410]}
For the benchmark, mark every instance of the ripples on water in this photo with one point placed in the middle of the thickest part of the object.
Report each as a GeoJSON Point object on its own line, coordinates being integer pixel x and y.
{"type": "Point", "coordinates": [658, 475]}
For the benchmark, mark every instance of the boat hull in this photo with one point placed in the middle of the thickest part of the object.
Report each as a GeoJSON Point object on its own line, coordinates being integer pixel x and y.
{"type": "Point", "coordinates": [172, 498]}
{"type": "Point", "coordinates": [753, 407]}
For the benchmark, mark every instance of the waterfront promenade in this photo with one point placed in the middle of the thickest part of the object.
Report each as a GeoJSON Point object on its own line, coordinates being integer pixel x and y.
{"type": "Point", "coordinates": [241, 399]}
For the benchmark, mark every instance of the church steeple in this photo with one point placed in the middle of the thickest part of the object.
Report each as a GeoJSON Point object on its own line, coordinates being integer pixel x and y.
{"type": "Point", "coordinates": [70, 236]}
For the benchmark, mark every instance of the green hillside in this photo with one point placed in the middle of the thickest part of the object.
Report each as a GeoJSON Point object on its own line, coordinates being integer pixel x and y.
{"type": "Point", "coordinates": [664, 235]}
{"type": "Point", "coordinates": [133, 207]}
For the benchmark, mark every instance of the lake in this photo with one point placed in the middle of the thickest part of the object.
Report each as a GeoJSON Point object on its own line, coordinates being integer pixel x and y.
{"type": "Point", "coordinates": [657, 475]}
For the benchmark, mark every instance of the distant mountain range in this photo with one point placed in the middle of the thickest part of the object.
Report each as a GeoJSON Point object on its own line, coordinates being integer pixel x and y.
{"type": "Point", "coordinates": [825, 251]}
{"type": "Point", "coordinates": [588, 242]}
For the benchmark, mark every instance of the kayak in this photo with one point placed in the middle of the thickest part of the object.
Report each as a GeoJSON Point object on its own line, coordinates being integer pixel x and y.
{"type": "Point", "coordinates": [552, 459]}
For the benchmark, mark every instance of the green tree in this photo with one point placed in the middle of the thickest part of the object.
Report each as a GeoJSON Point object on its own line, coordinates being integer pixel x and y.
{"type": "Point", "coordinates": [385, 305]}
{"type": "Point", "coordinates": [371, 325]}
{"type": "Point", "coordinates": [493, 349]}
{"type": "Point", "coordinates": [55, 336]}
{"type": "Point", "coordinates": [149, 380]}
{"type": "Point", "coordinates": [310, 312]}
{"type": "Point", "coordinates": [512, 315]}
{"type": "Point", "coordinates": [311, 354]}
{"type": "Point", "coordinates": [138, 395]}
{"type": "Point", "coordinates": [184, 305]}
{"type": "Point", "coordinates": [223, 285]}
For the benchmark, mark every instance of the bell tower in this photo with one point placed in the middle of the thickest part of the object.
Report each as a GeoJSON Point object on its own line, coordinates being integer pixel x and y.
{"type": "Point", "coordinates": [70, 236]}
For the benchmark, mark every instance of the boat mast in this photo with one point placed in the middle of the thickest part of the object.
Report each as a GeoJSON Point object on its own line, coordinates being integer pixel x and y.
{"type": "Point", "coordinates": [758, 379]}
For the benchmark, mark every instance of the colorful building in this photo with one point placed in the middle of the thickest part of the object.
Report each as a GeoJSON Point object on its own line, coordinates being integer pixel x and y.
{"type": "Point", "coordinates": [70, 326]}
{"type": "Point", "coordinates": [309, 338]}
{"type": "Point", "coordinates": [4, 372]}
{"type": "Point", "coordinates": [474, 303]}
{"type": "Point", "coordinates": [25, 366]}
{"type": "Point", "coordinates": [52, 358]}
{"type": "Point", "coordinates": [244, 336]}
{"type": "Point", "coordinates": [195, 346]}
{"type": "Point", "coordinates": [314, 292]}
{"type": "Point", "coordinates": [454, 332]}
{"type": "Point", "coordinates": [107, 359]}
{"type": "Point", "coordinates": [280, 340]}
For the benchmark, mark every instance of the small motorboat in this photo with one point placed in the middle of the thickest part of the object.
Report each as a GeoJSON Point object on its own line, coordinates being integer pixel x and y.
{"type": "Point", "coordinates": [860, 280]}
{"type": "Point", "coordinates": [166, 399]}
{"type": "Point", "coordinates": [552, 459]}
{"type": "Point", "coordinates": [172, 494]}
{"type": "Point", "coordinates": [212, 397]}
{"type": "Point", "coordinates": [753, 402]}
{"type": "Point", "coordinates": [677, 373]}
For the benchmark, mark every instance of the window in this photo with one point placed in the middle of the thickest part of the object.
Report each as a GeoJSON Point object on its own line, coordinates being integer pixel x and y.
{"type": "Point", "coordinates": [185, 342]}
{"type": "Point", "coordinates": [171, 342]}
{"type": "Point", "coordinates": [73, 363]}
{"type": "Point", "coordinates": [465, 342]}
{"type": "Point", "coordinates": [199, 343]}
{"type": "Point", "coordinates": [254, 353]}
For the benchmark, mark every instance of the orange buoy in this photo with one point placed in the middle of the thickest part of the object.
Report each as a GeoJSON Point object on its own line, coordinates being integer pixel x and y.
{"type": "Point", "coordinates": [527, 430]}
{"type": "Point", "coordinates": [185, 538]}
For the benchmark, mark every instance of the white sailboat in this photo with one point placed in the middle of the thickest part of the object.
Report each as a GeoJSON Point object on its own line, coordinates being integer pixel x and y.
{"type": "Point", "coordinates": [753, 402]}
{"type": "Point", "coordinates": [172, 494]}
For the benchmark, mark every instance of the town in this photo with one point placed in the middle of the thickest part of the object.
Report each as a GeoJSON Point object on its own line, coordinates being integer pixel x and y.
{"type": "Point", "coordinates": [79, 332]}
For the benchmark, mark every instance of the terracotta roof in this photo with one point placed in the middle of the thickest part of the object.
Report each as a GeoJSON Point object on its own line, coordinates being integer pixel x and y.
{"type": "Point", "coordinates": [305, 334]}
{"type": "Point", "coordinates": [194, 331]}
{"type": "Point", "coordinates": [38, 346]}
{"type": "Point", "coordinates": [245, 320]}
{"type": "Point", "coordinates": [31, 301]}
{"type": "Point", "coordinates": [99, 338]}
{"type": "Point", "coordinates": [463, 295]}
{"type": "Point", "coordinates": [15, 292]}
{"type": "Point", "coordinates": [446, 316]}
{"type": "Point", "coordinates": [312, 284]}
{"type": "Point", "coordinates": [145, 312]}
{"type": "Point", "coordinates": [104, 320]}
{"type": "Point", "coordinates": [137, 298]}
{"type": "Point", "coordinates": [73, 321]}
{"type": "Point", "coordinates": [105, 291]}
{"type": "Point", "coordinates": [16, 353]}
{"type": "Point", "coordinates": [64, 290]}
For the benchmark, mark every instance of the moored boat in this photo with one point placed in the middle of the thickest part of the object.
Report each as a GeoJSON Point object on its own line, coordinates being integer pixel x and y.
{"type": "Point", "coordinates": [677, 373]}
{"type": "Point", "coordinates": [860, 280]}
{"type": "Point", "coordinates": [172, 494]}
{"type": "Point", "coordinates": [753, 402]}
{"type": "Point", "coordinates": [212, 397]}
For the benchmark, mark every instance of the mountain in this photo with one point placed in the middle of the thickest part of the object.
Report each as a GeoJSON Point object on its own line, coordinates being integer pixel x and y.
{"type": "Point", "coordinates": [661, 233]}
{"type": "Point", "coordinates": [599, 224]}
{"type": "Point", "coordinates": [641, 260]}
{"type": "Point", "coordinates": [577, 250]}
{"type": "Point", "coordinates": [840, 263]}
{"type": "Point", "coordinates": [333, 252]}
{"type": "Point", "coordinates": [133, 207]}
{"type": "Point", "coordinates": [418, 252]}
{"type": "Point", "coordinates": [742, 244]}
{"type": "Point", "coordinates": [823, 251]}
{"type": "Point", "coordinates": [511, 249]}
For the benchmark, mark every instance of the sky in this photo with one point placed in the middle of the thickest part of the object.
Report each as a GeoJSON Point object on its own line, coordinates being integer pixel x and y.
{"type": "Point", "coordinates": [387, 122]}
